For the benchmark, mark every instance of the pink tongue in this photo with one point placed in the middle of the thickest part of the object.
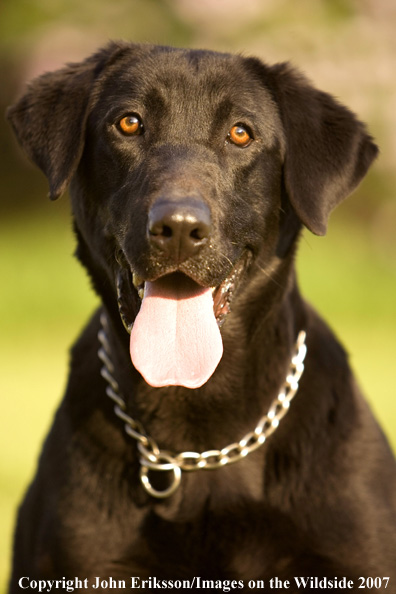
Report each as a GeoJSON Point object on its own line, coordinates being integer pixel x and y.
{"type": "Point", "coordinates": [175, 339]}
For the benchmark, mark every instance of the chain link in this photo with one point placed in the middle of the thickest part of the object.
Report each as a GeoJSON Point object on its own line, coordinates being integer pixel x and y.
{"type": "Point", "coordinates": [153, 458]}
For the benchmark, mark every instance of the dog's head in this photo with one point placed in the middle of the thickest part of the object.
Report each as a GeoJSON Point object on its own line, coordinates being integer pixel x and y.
{"type": "Point", "coordinates": [186, 167]}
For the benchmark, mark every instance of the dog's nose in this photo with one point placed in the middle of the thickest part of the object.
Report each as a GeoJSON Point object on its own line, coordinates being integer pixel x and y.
{"type": "Point", "coordinates": [179, 228]}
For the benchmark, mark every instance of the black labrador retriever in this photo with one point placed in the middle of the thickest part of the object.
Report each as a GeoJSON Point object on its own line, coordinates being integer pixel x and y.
{"type": "Point", "coordinates": [196, 450]}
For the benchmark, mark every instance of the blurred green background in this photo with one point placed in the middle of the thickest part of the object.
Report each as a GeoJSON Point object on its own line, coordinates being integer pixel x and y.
{"type": "Point", "coordinates": [346, 46]}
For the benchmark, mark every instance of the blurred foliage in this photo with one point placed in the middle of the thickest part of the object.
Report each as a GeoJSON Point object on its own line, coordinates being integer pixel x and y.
{"type": "Point", "coordinates": [141, 18]}
{"type": "Point", "coordinates": [346, 46]}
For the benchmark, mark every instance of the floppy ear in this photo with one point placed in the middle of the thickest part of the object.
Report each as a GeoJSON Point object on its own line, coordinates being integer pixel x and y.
{"type": "Point", "coordinates": [328, 150]}
{"type": "Point", "coordinates": [49, 120]}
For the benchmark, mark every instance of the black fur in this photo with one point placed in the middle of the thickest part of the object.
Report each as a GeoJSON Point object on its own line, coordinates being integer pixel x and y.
{"type": "Point", "coordinates": [319, 498]}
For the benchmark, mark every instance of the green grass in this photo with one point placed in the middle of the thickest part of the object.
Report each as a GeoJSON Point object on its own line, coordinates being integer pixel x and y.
{"type": "Point", "coordinates": [354, 288]}
{"type": "Point", "coordinates": [45, 299]}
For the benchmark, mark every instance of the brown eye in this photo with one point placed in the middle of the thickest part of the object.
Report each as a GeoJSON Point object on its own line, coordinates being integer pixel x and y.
{"type": "Point", "coordinates": [131, 125]}
{"type": "Point", "coordinates": [240, 136]}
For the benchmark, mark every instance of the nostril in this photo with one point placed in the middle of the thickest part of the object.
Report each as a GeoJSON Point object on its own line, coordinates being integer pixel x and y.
{"type": "Point", "coordinates": [159, 229]}
{"type": "Point", "coordinates": [199, 233]}
{"type": "Point", "coordinates": [166, 231]}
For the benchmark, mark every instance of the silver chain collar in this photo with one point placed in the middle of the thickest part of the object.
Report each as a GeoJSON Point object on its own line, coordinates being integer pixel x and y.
{"type": "Point", "coordinates": [153, 458]}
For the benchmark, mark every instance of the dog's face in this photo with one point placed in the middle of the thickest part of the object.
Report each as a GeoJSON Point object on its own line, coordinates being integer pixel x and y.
{"type": "Point", "coordinates": [183, 166]}
{"type": "Point", "coordinates": [187, 167]}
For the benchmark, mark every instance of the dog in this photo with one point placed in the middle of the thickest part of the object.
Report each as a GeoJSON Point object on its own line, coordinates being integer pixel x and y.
{"type": "Point", "coordinates": [212, 428]}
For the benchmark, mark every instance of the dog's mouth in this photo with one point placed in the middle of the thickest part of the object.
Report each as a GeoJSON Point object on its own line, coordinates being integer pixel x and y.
{"type": "Point", "coordinates": [175, 336]}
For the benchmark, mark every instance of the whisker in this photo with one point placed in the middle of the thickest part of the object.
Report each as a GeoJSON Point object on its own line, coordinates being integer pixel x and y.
{"type": "Point", "coordinates": [226, 258]}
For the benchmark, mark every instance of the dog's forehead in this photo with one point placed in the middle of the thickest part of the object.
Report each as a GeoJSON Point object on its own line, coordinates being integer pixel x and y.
{"type": "Point", "coordinates": [191, 78]}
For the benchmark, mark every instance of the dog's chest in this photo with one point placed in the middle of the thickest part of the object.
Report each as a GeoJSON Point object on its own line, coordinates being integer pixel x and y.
{"type": "Point", "coordinates": [228, 535]}
{"type": "Point", "coordinates": [222, 547]}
